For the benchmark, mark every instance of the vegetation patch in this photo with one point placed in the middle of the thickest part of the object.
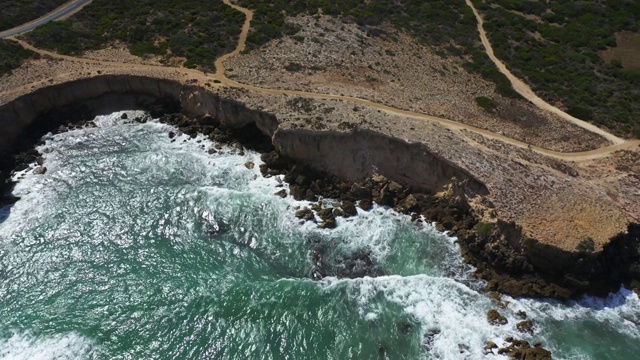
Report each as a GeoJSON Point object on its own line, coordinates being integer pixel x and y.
{"type": "Point", "coordinates": [484, 229]}
{"type": "Point", "coordinates": [558, 46]}
{"type": "Point", "coordinates": [12, 55]}
{"type": "Point", "coordinates": [486, 103]}
{"type": "Point", "coordinates": [293, 67]}
{"type": "Point", "coordinates": [449, 27]}
{"type": "Point", "coordinates": [586, 246]}
{"type": "Point", "coordinates": [18, 12]}
{"type": "Point", "coordinates": [198, 30]}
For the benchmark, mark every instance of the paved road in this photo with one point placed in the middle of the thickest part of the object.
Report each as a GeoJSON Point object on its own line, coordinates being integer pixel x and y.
{"type": "Point", "coordinates": [58, 13]}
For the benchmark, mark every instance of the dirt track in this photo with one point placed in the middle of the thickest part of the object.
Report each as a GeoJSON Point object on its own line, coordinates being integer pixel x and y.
{"type": "Point", "coordinates": [524, 89]}
{"type": "Point", "coordinates": [521, 87]}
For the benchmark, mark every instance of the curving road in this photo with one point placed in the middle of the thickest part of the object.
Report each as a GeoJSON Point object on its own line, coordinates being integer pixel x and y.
{"type": "Point", "coordinates": [525, 90]}
{"type": "Point", "coordinates": [449, 124]}
{"type": "Point", "coordinates": [65, 10]}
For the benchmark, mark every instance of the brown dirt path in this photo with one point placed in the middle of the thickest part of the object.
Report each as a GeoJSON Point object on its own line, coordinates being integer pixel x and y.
{"type": "Point", "coordinates": [446, 123]}
{"type": "Point", "coordinates": [525, 90]}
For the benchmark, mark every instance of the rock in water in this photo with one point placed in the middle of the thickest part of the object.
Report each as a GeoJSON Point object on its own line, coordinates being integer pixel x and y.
{"type": "Point", "coordinates": [365, 205]}
{"type": "Point", "coordinates": [249, 165]}
{"type": "Point", "coordinates": [305, 214]}
{"type": "Point", "coordinates": [495, 318]}
{"type": "Point", "coordinates": [525, 326]}
{"type": "Point", "coordinates": [40, 170]}
{"type": "Point", "coordinates": [349, 208]}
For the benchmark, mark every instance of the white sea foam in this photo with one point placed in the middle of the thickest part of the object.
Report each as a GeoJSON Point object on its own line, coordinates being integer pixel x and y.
{"type": "Point", "coordinates": [453, 313]}
{"type": "Point", "coordinates": [28, 347]}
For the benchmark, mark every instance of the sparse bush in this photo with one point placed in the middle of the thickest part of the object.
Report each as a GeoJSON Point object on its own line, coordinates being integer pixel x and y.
{"type": "Point", "coordinates": [293, 67]}
{"type": "Point", "coordinates": [486, 103]}
{"type": "Point", "coordinates": [484, 229]}
{"type": "Point", "coordinates": [12, 55]}
{"type": "Point", "coordinates": [586, 246]}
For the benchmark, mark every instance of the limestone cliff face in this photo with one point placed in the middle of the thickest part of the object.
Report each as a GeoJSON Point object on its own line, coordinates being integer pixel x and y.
{"type": "Point", "coordinates": [360, 154]}
{"type": "Point", "coordinates": [352, 155]}
{"type": "Point", "coordinates": [108, 93]}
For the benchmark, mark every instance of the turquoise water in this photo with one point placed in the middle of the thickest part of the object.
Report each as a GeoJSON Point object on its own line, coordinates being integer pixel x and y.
{"type": "Point", "coordinates": [132, 246]}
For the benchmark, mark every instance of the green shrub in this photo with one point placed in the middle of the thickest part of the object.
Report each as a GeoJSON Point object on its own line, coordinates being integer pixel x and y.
{"type": "Point", "coordinates": [18, 12]}
{"type": "Point", "coordinates": [484, 229]}
{"type": "Point", "coordinates": [486, 103]}
{"type": "Point", "coordinates": [293, 67]}
{"type": "Point", "coordinates": [12, 55]}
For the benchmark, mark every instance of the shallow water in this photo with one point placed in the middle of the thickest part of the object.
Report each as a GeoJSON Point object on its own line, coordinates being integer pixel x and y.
{"type": "Point", "coordinates": [134, 246]}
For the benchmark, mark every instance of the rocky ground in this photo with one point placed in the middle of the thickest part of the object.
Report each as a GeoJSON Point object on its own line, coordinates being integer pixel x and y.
{"type": "Point", "coordinates": [48, 71]}
{"type": "Point", "coordinates": [336, 57]}
{"type": "Point", "coordinates": [557, 202]}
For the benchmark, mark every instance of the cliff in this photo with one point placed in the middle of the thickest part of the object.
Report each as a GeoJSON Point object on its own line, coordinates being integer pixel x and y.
{"type": "Point", "coordinates": [512, 262]}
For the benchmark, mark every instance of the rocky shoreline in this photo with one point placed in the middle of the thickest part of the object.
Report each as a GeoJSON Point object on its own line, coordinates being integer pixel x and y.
{"type": "Point", "coordinates": [449, 210]}
{"type": "Point", "coordinates": [502, 255]}
{"type": "Point", "coordinates": [510, 262]}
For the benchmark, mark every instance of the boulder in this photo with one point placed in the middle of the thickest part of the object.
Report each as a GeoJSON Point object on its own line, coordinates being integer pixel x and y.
{"type": "Point", "coordinates": [40, 170]}
{"type": "Point", "coordinates": [349, 208]}
{"type": "Point", "coordinates": [495, 318]}
{"type": "Point", "coordinates": [395, 188]}
{"type": "Point", "coordinates": [305, 214]}
{"type": "Point", "coordinates": [384, 197]}
{"type": "Point", "coordinates": [297, 192]}
{"type": "Point", "coordinates": [249, 165]}
{"type": "Point", "coordinates": [282, 193]}
{"type": "Point", "coordinates": [359, 192]}
{"type": "Point", "coordinates": [329, 224]}
{"type": "Point", "coordinates": [365, 205]}
{"type": "Point", "coordinates": [525, 326]}
{"type": "Point", "coordinates": [326, 214]}
{"type": "Point", "coordinates": [409, 204]}
{"type": "Point", "coordinates": [488, 348]}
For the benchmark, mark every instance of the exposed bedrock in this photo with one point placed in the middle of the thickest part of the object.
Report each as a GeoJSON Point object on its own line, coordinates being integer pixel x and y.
{"type": "Point", "coordinates": [360, 154]}
{"type": "Point", "coordinates": [511, 262]}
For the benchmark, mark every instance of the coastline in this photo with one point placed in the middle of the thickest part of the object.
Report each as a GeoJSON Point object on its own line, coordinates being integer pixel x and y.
{"type": "Point", "coordinates": [438, 190]}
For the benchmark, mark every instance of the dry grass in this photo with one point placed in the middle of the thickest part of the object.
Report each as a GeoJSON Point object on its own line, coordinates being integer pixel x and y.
{"type": "Point", "coordinates": [627, 51]}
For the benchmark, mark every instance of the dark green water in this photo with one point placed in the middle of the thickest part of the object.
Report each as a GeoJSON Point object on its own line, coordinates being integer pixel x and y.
{"type": "Point", "coordinates": [135, 247]}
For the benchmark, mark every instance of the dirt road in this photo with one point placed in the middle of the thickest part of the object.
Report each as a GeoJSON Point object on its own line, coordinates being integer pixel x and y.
{"type": "Point", "coordinates": [618, 144]}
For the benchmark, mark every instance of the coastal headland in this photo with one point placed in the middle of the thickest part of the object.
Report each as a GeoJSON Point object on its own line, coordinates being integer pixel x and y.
{"type": "Point", "coordinates": [538, 214]}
